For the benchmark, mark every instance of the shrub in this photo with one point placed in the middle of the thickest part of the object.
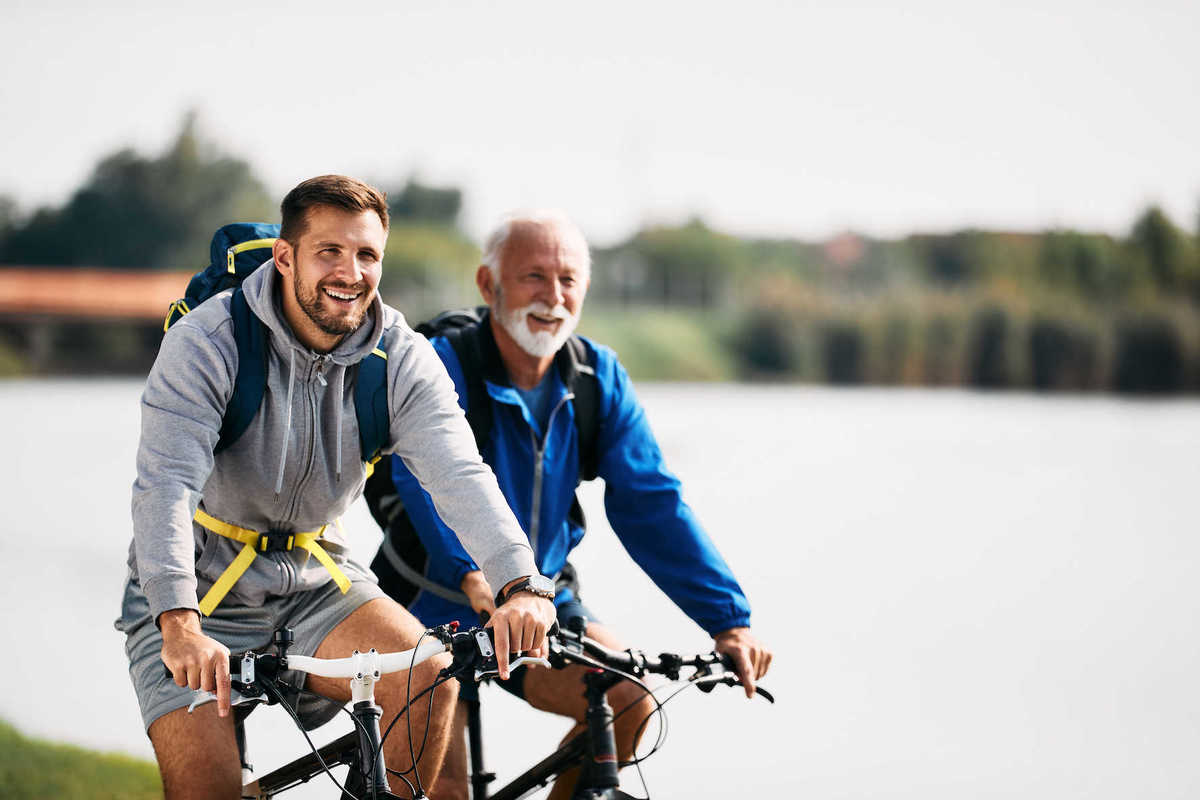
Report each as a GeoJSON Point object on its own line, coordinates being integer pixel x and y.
{"type": "Point", "coordinates": [1149, 355]}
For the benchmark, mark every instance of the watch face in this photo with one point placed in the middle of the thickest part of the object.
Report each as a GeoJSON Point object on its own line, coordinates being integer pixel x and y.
{"type": "Point", "coordinates": [541, 583]}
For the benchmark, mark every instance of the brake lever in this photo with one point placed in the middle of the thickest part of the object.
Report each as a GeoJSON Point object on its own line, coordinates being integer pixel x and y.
{"type": "Point", "coordinates": [706, 683]}
{"type": "Point", "coordinates": [236, 698]}
{"type": "Point", "coordinates": [488, 672]}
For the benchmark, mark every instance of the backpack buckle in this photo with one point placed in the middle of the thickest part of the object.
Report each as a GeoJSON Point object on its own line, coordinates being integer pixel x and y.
{"type": "Point", "coordinates": [275, 540]}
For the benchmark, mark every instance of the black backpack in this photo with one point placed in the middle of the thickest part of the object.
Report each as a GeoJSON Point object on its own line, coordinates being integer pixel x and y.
{"type": "Point", "coordinates": [469, 332]}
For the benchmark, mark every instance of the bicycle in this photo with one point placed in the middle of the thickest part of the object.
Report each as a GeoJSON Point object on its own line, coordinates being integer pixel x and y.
{"type": "Point", "coordinates": [594, 749]}
{"type": "Point", "coordinates": [255, 681]}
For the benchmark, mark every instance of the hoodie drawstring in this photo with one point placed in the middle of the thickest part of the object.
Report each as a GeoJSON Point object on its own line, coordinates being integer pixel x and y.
{"type": "Point", "coordinates": [287, 424]}
{"type": "Point", "coordinates": [339, 380]}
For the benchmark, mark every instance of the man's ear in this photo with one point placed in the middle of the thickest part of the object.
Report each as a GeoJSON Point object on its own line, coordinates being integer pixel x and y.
{"type": "Point", "coordinates": [284, 256]}
{"type": "Point", "coordinates": [483, 279]}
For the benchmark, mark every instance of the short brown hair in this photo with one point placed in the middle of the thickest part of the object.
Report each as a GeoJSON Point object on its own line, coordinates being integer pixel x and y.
{"type": "Point", "coordinates": [338, 191]}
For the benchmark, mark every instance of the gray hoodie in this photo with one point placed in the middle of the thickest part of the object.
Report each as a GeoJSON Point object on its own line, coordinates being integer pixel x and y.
{"type": "Point", "coordinates": [297, 466]}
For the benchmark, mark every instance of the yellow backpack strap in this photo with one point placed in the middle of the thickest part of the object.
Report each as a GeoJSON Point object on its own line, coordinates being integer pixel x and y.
{"type": "Point", "coordinates": [253, 542]}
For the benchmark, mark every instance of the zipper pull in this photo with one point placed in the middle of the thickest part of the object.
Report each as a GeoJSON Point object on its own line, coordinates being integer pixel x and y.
{"type": "Point", "coordinates": [320, 366]}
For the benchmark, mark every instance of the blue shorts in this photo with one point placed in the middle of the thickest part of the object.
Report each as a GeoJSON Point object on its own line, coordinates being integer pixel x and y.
{"type": "Point", "coordinates": [515, 685]}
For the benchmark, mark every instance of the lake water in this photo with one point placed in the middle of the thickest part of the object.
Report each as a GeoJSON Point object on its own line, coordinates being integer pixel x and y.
{"type": "Point", "coordinates": [968, 595]}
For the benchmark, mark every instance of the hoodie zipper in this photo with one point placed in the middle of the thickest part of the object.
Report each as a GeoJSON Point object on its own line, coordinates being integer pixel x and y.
{"type": "Point", "coordinates": [539, 450]}
{"type": "Point", "coordinates": [316, 368]}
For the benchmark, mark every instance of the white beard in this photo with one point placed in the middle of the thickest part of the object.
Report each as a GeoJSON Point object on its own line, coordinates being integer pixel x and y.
{"type": "Point", "coordinates": [542, 343]}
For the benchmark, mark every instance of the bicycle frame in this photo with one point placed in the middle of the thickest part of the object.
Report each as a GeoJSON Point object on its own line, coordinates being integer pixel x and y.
{"type": "Point", "coordinates": [594, 749]}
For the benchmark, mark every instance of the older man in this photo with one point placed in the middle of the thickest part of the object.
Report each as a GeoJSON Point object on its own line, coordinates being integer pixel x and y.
{"type": "Point", "coordinates": [195, 591]}
{"type": "Point", "coordinates": [527, 362]}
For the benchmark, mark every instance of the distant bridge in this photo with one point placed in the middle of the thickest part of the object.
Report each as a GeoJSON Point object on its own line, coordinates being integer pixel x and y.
{"type": "Point", "coordinates": [85, 319]}
{"type": "Point", "coordinates": [88, 293]}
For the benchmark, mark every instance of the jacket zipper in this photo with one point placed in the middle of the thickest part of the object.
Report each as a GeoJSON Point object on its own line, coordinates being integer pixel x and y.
{"type": "Point", "coordinates": [539, 449]}
{"type": "Point", "coordinates": [318, 365]}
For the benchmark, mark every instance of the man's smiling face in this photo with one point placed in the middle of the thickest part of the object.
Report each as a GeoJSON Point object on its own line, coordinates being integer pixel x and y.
{"type": "Point", "coordinates": [331, 274]}
{"type": "Point", "coordinates": [543, 280]}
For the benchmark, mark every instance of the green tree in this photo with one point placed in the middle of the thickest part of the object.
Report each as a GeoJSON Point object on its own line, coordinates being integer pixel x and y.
{"type": "Point", "coordinates": [8, 216]}
{"type": "Point", "coordinates": [421, 203]}
{"type": "Point", "coordinates": [1087, 264]}
{"type": "Point", "coordinates": [1163, 247]}
{"type": "Point", "coordinates": [949, 260]}
{"type": "Point", "coordinates": [140, 212]}
{"type": "Point", "coordinates": [683, 266]}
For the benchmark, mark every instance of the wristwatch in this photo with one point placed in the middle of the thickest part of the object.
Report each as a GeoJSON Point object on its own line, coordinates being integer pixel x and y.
{"type": "Point", "coordinates": [538, 585]}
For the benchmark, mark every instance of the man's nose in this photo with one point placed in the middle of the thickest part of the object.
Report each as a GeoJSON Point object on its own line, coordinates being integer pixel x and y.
{"type": "Point", "coordinates": [350, 269]}
{"type": "Point", "coordinates": [557, 293]}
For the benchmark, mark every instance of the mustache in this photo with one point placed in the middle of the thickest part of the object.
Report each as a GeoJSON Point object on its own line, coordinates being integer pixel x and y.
{"type": "Point", "coordinates": [557, 312]}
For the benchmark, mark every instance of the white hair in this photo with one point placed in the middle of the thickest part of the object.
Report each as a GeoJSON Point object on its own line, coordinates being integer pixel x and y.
{"type": "Point", "coordinates": [497, 240]}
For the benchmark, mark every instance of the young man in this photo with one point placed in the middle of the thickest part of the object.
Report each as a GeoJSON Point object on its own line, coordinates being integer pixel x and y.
{"type": "Point", "coordinates": [534, 279]}
{"type": "Point", "coordinates": [295, 469]}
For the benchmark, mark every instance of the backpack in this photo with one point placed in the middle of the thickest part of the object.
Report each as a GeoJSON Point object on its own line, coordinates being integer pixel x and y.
{"type": "Point", "coordinates": [237, 250]}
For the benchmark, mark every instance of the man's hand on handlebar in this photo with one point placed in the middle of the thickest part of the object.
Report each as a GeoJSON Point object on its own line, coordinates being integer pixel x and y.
{"type": "Point", "coordinates": [195, 660]}
{"type": "Point", "coordinates": [751, 658]}
{"type": "Point", "coordinates": [520, 625]}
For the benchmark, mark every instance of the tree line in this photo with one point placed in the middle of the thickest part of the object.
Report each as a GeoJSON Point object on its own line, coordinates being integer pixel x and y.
{"type": "Point", "coordinates": [1058, 309]}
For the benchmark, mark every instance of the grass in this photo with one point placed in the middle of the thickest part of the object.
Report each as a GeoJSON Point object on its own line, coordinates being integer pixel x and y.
{"type": "Point", "coordinates": [33, 769]}
{"type": "Point", "coordinates": [663, 345]}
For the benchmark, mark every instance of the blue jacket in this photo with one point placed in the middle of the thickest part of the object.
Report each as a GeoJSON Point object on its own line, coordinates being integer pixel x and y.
{"type": "Point", "coordinates": [642, 498]}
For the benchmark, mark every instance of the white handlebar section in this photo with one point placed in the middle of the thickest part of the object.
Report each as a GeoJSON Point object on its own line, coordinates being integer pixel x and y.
{"type": "Point", "coordinates": [370, 663]}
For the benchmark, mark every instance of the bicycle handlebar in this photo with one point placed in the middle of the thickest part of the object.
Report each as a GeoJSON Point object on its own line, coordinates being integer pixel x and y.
{"type": "Point", "coordinates": [474, 658]}
{"type": "Point", "coordinates": [368, 663]}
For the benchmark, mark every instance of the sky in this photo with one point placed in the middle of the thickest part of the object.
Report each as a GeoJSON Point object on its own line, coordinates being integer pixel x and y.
{"type": "Point", "coordinates": [763, 118]}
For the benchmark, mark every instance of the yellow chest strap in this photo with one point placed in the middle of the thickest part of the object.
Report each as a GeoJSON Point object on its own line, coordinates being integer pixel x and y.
{"type": "Point", "coordinates": [255, 542]}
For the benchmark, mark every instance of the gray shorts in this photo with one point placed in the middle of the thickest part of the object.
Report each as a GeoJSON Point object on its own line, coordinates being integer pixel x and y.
{"type": "Point", "coordinates": [311, 615]}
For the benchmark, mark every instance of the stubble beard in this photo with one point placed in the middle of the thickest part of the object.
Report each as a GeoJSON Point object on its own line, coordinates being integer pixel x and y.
{"type": "Point", "coordinates": [332, 322]}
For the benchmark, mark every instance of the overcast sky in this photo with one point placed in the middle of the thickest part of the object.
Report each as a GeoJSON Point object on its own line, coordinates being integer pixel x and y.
{"type": "Point", "coordinates": [799, 119]}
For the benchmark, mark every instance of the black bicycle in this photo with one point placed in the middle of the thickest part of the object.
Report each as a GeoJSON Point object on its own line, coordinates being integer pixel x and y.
{"type": "Point", "coordinates": [255, 679]}
{"type": "Point", "coordinates": [594, 749]}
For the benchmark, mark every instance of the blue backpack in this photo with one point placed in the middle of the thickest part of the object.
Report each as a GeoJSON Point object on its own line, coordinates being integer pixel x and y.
{"type": "Point", "coordinates": [237, 250]}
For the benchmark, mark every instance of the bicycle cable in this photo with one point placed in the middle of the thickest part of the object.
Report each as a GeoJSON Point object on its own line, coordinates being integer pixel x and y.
{"type": "Point", "coordinates": [358, 724]}
{"type": "Point", "coordinates": [296, 718]}
{"type": "Point", "coordinates": [660, 739]}
{"type": "Point", "coordinates": [637, 761]}
{"type": "Point", "coordinates": [412, 756]}
{"type": "Point", "coordinates": [658, 712]}
{"type": "Point", "coordinates": [425, 739]}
